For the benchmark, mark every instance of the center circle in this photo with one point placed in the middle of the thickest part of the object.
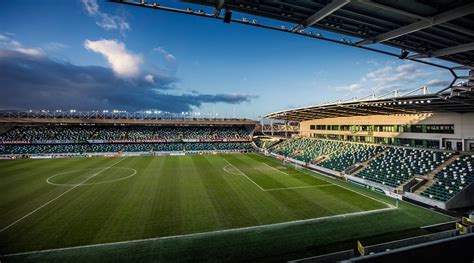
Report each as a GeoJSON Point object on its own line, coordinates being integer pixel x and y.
{"type": "Point", "coordinates": [129, 172]}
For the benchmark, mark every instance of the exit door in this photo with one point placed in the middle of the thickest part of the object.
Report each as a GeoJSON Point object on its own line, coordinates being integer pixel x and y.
{"type": "Point", "coordinates": [449, 145]}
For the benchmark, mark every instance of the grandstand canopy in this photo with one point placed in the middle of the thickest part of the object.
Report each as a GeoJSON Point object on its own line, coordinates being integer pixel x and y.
{"type": "Point", "coordinates": [426, 28]}
{"type": "Point", "coordinates": [460, 102]}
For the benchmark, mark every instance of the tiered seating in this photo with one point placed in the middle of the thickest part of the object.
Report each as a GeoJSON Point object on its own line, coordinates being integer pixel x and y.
{"type": "Point", "coordinates": [137, 147]}
{"type": "Point", "coordinates": [78, 133]}
{"type": "Point", "coordinates": [352, 154]}
{"type": "Point", "coordinates": [398, 165]}
{"type": "Point", "coordinates": [168, 147]}
{"type": "Point", "coordinates": [308, 149]}
{"type": "Point", "coordinates": [31, 133]}
{"type": "Point", "coordinates": [42, 148]}
{"type": "Point", "coordinates": [265, 144]}
{"type": "Point", "coordinates": [452, 179]}
{"type": "Point", "coordinates": [233, 146]}
{"type": "Point", "coordinates": [113, 147]}
{"type": "Point", "coordinates": [199, 146]}
{"type": "Point", "coordinates": [78, 139]}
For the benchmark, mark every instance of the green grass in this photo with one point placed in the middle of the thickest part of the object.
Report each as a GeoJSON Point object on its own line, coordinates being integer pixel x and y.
{"type": "Point", "coordinates": [182, 195]}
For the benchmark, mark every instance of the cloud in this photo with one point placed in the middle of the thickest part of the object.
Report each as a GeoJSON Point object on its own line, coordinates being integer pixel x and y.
{"type": "Point", "coordinates": [389, 74]}
{"type": "Point", "coordinates": [170, 58]}
{"type": "Point", "coordinates": [372, 62]}
{"type": "Point", "coordinates": [106, 21]}
{"type": "Point", "coordinates": [149, 78]}
{"type": "Point", "coordinates": [55, 46]}
{"type": "Point", "coordinates": [11, 44]}
{"type": "Point", "coordinates": [38, 82]}
{"type": "Point", "coordinates": [438, 83]}
{"type": "Point", "coordinates": [30, 51]}
{"type": "Point", "coordinates": [123, 62]}
{"type": "Point", "coordinates": [353, 88]}
{"type": "Point", "coordinates": [389, 78]}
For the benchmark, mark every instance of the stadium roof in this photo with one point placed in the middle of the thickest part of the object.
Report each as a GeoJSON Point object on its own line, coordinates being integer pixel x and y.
{"type": "Point", "coordinates": [427, 28]}
{"type": "Point", "coordinates": [112, 117]}
{"type": "Point", "coordinates": [460, 100]}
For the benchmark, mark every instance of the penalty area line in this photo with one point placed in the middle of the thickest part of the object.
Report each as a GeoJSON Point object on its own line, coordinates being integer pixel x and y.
{"type": "Point", "coordinates": [242, 173]}
{"type": "Point", "coordinates": [203, 234]}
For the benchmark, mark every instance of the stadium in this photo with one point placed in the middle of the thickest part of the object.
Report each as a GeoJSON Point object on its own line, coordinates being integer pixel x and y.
{"type": "Point", "coordinates": [383, 178]}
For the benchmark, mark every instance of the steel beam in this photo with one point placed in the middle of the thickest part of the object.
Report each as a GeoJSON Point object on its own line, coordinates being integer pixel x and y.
{"type": "Point", "coordinates": [321, 14]}
{"type": "Point", "coordinates": [422, 24]}
{"type": "Point", "coordinates": [447, 51]}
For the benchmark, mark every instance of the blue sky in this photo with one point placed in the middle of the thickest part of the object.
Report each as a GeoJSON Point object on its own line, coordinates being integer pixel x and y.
{"type": "Point", "coordinates": [89, 54]}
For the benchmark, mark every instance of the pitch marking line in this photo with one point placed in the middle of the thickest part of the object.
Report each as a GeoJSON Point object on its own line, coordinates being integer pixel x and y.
{"type": "Point", "coordinates": [134, 172]}
{"type": "Point", "coordinates": [348, 189]}
{"type": "Point", "coordinates": [230, 172]}
{"type": "Point", "coordinates": [231, 230]}
{"type": "Point", "coordinates": [274, 189]}
{"type": "Point", "coordinates": [59, 196]}
{"type": "Point", "coordinates": [242, 173]}
{"type": "Point", "coordinates": [299, 187]}
{"type": "Point", "coordinates": [324, 179]}
{"type": "Point", "coordinates": [283, 172]}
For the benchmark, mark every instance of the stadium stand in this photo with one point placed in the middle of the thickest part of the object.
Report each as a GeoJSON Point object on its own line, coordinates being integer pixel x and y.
{"type": "Point", "coordinates": [353, 153]}
{"type": "Point", "coordinates": [308, 149]}
{"type": "Point", "coordinates": [393, 167]}
{"type": "Point", "coordinates": [168, 147]}
{"type": "Point", "coordinates": [30, 133]}
{"type": "Point", "coordinates": [398, 165]}
{"type": "Point", "coordinates": [452, 179]}
{"type": "Point", "coordinates": [265, 144]}
{"type": "Point", "coordinates": [44, 139]}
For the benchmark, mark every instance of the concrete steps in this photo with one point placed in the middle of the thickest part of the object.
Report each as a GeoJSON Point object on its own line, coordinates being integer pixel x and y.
{"type": "Point", "coordinates": [429, 177]}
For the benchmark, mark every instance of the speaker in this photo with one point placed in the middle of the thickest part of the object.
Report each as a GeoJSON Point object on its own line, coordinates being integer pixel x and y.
{"type": "Point", "coordinates": [227, 16]}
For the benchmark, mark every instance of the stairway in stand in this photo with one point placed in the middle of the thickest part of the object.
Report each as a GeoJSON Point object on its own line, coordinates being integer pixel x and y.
{"type": "Point", "coordinates": [429, 177]}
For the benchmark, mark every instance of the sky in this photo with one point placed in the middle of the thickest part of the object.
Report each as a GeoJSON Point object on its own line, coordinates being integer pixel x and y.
{"type": "Point", "coordinates": [96, 55]}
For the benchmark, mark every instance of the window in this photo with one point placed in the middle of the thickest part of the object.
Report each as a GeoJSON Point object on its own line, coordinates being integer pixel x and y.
{"type": "Point", "coordinates": [312, 127]}
{"type": "Point", "coordinates": [432, 144]}
{"type": "Point", "coordinates": [449, 129]}
{"type": "Point", "coordinates": [417, 128]}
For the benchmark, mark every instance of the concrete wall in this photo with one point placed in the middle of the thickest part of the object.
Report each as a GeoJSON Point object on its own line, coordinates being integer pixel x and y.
{"type": "Point", "coordinates": [409, 241]}
{"type": "Point", "coordinates": [425, 200]}
{"type": "Point", "coordinates": [464, 199]}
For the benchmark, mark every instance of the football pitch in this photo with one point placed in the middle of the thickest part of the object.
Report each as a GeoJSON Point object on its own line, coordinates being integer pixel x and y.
{"type": "Point", "coordinates": [227, 207]}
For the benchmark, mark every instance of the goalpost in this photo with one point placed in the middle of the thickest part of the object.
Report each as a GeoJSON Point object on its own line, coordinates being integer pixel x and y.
{"type": "Point", "coordinates": [291, 164]}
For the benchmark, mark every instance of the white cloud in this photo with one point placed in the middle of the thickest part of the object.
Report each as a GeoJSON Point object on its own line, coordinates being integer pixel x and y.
{"type": "Point", "coordinates": [106, 21]}
{"type": "Point", "coordinates": [373, 62]}
{"type": "Point", "coordinates": [354, 88]}
{"type": "Point", "coordinates": [123, 62]}
{"type": "Point", "coordinates": [55, 46]}
{"type": "Point", "coordinates": [149, 78]}
{"type": "Point", "coordinates": [30, 51]}
{"type": "Point", "coordinates": [389, 78]}
{"type": "Point", "coordinates": [438, 83]}
{"type": "Point", "coordinates": [8, 43]}
{"type": "Point", "coordinates": [170, 58]}
{"type": "Point", "coordinates": [389, 75]}
{"type": "Point", "coordinates": [91, 7]}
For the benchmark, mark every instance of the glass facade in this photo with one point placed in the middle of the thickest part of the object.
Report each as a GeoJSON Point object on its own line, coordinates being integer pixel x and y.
{"type": "Point", "coordinates": [418, 128]}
